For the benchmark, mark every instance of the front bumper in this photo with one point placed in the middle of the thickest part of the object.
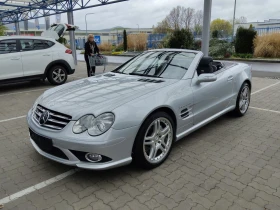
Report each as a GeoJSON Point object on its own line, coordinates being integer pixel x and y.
{"type": "Point", "coordinates": [114, 144]}
{"type": "Point", "coordinates": [71, 71]}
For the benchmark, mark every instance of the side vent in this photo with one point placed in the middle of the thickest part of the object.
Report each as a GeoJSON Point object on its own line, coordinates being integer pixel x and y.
{"type": "Point", "coordinates": [185, 113]}
{"type": "Point", "coordinates": [109, 75]}
{"type": "Point", "coordinates": [150, 80]}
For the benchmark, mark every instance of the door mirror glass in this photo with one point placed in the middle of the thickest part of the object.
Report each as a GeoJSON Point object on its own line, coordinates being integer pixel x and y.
{"type": "Point", "coordinates": [207, 78]}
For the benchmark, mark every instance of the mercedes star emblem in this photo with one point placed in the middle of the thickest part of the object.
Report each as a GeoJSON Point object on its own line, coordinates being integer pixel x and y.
{"type": "Point", "coordinates": [44, 117]}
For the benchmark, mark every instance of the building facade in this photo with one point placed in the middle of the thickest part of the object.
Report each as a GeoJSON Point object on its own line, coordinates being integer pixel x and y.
{"type": "Point", "coordinates": [267, 26]}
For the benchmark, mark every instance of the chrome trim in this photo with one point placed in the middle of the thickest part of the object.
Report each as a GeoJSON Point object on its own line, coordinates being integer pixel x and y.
{"type": "Point", "coordinates": [56, 121]}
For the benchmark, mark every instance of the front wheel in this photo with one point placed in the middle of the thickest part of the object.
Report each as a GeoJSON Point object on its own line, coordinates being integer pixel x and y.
{"type": "Point", "coordinates": [154, 140]}
{"type": "Point", "coordinates": [57, 75]}
{"type": "Point", "coordinates": [243, 100]}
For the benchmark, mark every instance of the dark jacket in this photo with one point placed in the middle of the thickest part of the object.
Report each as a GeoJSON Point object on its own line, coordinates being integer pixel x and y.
{"type": "Point", "coordinates": [88, 50]}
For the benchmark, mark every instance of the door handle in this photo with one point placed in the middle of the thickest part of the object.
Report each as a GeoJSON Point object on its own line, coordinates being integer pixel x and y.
{"type": "Point", "coordinates": [230, 78]}
{"type": "Point", "coordinates": [15, 58]}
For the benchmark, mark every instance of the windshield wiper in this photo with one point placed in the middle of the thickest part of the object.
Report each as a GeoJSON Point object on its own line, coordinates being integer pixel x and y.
{"type": "Point", "coordinates": [144, 75]}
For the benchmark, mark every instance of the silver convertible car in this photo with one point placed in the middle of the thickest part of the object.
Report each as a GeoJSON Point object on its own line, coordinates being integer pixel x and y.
{"type": "Point", "coordinates": [137, 111]}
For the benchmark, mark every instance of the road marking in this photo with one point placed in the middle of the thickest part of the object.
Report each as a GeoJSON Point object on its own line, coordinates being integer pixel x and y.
{"type": "Point", "coordinates": [266, 110]}
{"type": "Point", "coordinates": [14, 118]}
{"type": "Point", "coordinates": [23, 92]}
{"type": "Point", "coordinates": [37, 186]}
{"type": "Point", "coordinates": [265, 88]}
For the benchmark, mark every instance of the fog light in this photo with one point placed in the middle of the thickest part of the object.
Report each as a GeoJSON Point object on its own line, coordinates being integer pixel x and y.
{"type": "Point", "coordinates": [92, 157]}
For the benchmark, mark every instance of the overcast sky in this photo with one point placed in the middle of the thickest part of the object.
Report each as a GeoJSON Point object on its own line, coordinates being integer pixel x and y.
{"type": "Point", "coordinates": [147, 13]}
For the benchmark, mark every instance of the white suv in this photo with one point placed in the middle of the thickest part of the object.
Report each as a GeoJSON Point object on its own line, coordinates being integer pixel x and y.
{"type": "Point", "coordinates": [31, 58]}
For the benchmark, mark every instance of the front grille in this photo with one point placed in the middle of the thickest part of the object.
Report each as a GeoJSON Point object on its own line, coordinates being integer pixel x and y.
{"type": "Point", "coordinates": [46, 145]}
{"type": "Point", "coordinates": [55, 121]}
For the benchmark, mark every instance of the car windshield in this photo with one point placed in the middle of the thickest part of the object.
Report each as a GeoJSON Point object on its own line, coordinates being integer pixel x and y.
{"type": "Point", "coordinates": [164, 64]}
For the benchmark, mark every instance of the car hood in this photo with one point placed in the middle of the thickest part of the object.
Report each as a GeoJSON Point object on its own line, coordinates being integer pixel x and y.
{"type": "Point", "coordinates": [96, 95]}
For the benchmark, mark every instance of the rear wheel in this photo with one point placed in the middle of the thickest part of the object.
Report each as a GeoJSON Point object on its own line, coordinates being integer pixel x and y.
{"type": "Point", "coordinates": [57, 75]}
{"type": "Point", "coordinates": [243, 100]}
{"type": "Point", "coordinates": [154, 140]}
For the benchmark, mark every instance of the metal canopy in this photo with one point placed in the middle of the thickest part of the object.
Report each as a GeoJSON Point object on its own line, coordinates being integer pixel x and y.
{"type": "Point", "coordinates": [12, 11]}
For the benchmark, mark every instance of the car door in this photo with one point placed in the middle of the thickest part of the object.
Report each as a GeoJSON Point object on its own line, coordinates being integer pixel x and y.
{"type": "Point", "coordinates": [36, 55]}
{"type": "Point", "coordinates": [10, 60]}
{"type": "Point", "coordinates": [210, 98]}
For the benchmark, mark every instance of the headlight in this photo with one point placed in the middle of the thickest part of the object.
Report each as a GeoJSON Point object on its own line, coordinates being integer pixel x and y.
{"type": "Point", "coordinates": [94, 126]}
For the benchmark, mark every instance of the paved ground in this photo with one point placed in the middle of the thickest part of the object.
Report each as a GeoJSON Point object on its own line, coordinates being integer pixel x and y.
{"type": "Point", "coordinates": [232, 163]}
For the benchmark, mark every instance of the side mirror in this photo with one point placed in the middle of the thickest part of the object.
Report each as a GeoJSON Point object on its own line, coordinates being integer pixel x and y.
{"type": "Point", "coordinates": [206, 78]}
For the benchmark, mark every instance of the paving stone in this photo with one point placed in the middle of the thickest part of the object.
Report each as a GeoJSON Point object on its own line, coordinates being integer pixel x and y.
{"type": "Point", "coordinates": [201, 200]}
{"type": "Point", "coordinates": [136, 205]}
{"type": "Point", "coordinates": [99, 205]}
{"type": "Point", "coordinates": [187, 204]}
{"type": "Point", "coordinates": [265, 174]}
{"type": "Point", "coordinates": [63, 205]}
{"type": "Point", "coordinates": [215, 194]}
{"type": "Point", "coordinates": [84, 202]}
{"type": "Point", "coordinates": [221, 204]}
{"type": "Point", "coordinates": [121, 201]}
{"type": "Point", "coordinates": [248, 193]}
{"type": "Point", "coordinates": [168, 202]}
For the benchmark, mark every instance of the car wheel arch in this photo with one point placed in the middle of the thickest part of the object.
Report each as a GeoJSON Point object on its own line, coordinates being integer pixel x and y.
{"type": "Point", "coordinates": [165, 109]}
{"type": "Point", "coordinates": [57, 63]}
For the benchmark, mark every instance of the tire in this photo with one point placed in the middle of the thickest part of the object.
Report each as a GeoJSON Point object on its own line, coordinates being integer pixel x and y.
{"type": "Point", "coordinates": [53, 73]}
{"type": "Point", "coordinates": [144, 155]}
{"type": "Point", "coordinates": [239, 110]}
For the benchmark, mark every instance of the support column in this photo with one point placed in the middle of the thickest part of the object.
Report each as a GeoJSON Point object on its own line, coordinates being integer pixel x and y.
{"type": "Point", "coordinates": [206, 26]}
{"type": "Point", "coordinates": [70, 18]}
{"type": "Point", "coordinates": [17, 28]}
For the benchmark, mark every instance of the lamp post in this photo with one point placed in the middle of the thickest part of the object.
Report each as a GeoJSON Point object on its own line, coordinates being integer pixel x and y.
{"type": "Point", "coordinates": [86, 20]}
{"type": "Point", "coordinates": [233, 22]}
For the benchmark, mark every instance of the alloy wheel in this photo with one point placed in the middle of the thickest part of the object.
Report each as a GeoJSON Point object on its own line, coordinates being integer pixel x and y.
{"type": "Point", "coordinates": [58, 75]}
{"type": "Point", "coordinates": [158, 140]}
{"type": "Point", "coordinates": [244, 99]}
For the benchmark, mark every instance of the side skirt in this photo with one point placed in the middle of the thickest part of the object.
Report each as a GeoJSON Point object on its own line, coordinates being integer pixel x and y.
{"type": "Point", "coordinates": [204, 122]}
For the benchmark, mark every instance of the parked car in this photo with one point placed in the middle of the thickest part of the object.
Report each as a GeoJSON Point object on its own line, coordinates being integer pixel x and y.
{"type": "Point", "coordinates": [36, 57]}
{"type": "Point", "coordinates": [137, 111]}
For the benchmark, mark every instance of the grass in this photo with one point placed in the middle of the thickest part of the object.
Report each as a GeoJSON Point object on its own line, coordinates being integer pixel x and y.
{"type": "Point", "coordinates": [267, 46]}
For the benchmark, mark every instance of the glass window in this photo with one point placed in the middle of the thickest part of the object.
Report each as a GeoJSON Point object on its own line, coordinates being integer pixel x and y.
{"type": "Point", "coordinates": [39, 45]}
{"type": "Point", "coordinates": [27, 44]}
{"type": "Point", "coordinates": [8, 46]}
{"type": "Point", "coordinates": [165, 64]}
{"type": "Point", "coordinates": [50, 43]}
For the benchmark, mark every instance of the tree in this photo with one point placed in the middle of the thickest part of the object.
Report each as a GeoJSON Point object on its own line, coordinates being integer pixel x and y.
{"type": "Point", "coordinates": [162, 27]}
{"type": "Point", "coordinates": [124, 40]}
{"type": "Point", "coordinates": [178, 18]}
{"type": "Point", "coordinates": [2, 30]}
{"type": "Point", "coordinates": [187, 17]}
{"type": "Point", "coordinates": [244, 40]}
{"type": "Point", "coordinates": [197, 22]}
{"type": "Point", "coordinates": [223, 26]}
{"type": "Point", "coordinates": [215, 34]}
{"type": "Point", "coordinates": [181, 38]}
{"type": "Point", "coordinates": [241, 20]}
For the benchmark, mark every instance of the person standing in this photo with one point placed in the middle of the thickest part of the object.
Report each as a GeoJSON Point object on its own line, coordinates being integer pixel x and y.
{"type": "Point", "coordinates": [90, 49]}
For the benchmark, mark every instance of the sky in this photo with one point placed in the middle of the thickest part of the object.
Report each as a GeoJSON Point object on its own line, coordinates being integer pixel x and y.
{"type": "Point", "coordinates": [147, 13]}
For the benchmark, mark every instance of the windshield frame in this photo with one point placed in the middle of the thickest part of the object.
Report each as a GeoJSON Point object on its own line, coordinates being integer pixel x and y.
{"type": "Point", "coordinates": [195, 53]}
